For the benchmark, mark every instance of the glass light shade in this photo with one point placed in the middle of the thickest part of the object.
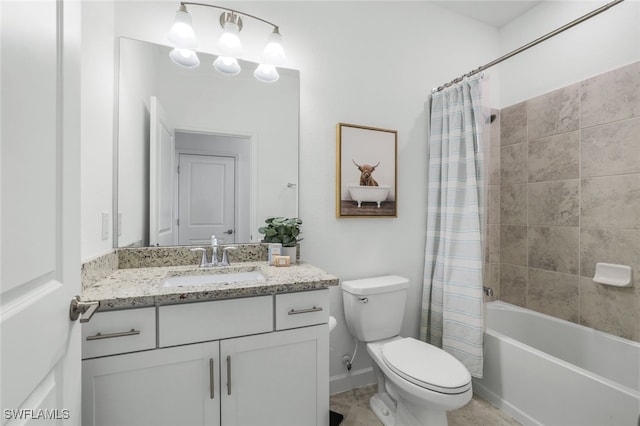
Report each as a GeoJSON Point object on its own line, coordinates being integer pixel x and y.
{"type": "Point", "coordinates": [229, 43]}
{"type": "Point", "coordinates": [181, 32]}
{"type": "Point", "coordinates": [274, 52]}
{"type": "Point", "coordinates": [184, 57]}
{"type": "Point", "coordinates": [266, 73]}
{"type": "Point", "coordinates": [227, 65]}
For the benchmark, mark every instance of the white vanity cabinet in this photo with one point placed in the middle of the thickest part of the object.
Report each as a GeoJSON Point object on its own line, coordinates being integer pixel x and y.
{"type": "Point", "coordinates": [227, 362]}
{"type": "Point", "coordinates": [158, 387]}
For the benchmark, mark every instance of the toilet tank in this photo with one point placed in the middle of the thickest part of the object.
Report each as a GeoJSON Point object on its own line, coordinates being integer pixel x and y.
{"type": "Point", "coordinates": [374, 307]}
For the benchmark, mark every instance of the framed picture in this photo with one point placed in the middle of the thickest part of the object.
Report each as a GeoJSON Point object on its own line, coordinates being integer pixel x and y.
{"type": "Point", "coordinates": [366, 168]}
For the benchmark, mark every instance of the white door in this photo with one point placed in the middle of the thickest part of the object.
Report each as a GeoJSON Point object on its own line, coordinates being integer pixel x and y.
{"type": "Point", "coordinates": [276, 378]}
{"type": "Point", "coordinates": [40, 197]}
{"type": "Point", "coordinates": [161, 177]}
{"type": "Point", "coordinates": [164, 387]}
{"type": "Point", "coordinates": [206, 199]}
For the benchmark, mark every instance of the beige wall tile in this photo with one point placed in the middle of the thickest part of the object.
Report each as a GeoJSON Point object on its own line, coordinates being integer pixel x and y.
{"type": "Point", "coordinates": [493, 243]}
{"type": "Point", "coordinates": [611, 149]}
{"type": "Point", "coordinates": [614, 310]}
{"type": "Point", "coordinates": [513, 245]}
{"type": "Point", "coordinates": [554, 157]}
{"type": "Point", "coordinates": [554, 203]}
{"type": "Point", "coordinates": [513, 164]}
{"type": "Point", "coordinates": [621, 246]}
{"type": "Point", "coordinates": [513, 204]}
{"type": "Point", "coordinates": [580, 205]}
{"type": "Point", "coordinates": [611, 96]}
{"type": "Point", "coordinates": [493, 205]}
{"type": "Point", "coordinates": [494, 165]}
{"type": "Point", "coordinates": [513, 124]}
{"type": "Point", "coordinates": [554, 249]}
{"type": "Point", "coordinates": [553, 113]}
{"type": "Point", "coordinates": [611, 202]}
{"type": "Point", "coordinates": [553, 294]}
{"type": "Point", "coordinates": [513, 284]}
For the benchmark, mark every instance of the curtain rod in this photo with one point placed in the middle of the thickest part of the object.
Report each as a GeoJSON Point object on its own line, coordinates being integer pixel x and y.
{"type": "Point", "coordinates": [529, 45]}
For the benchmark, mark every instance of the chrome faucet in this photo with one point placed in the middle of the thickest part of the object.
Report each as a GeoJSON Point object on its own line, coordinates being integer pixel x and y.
{"type": "Point", "coordinates": [203, 262]}
{"type": "Point", "coordinates": [225, 259]}
{"type": "Point", "coordinates": [214, 254]}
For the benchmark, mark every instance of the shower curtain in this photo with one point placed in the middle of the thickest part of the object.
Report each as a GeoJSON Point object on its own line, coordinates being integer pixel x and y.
{"type": "Point", "coordinates": [452, 305]}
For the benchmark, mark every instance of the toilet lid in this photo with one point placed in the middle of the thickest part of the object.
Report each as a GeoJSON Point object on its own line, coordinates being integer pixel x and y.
{"type": "Point", "coordinates": [426, 366]}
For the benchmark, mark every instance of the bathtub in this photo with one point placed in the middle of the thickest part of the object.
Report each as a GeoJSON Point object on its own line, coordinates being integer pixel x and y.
{"type": "Point", "coordinates": [362, 194]}
{"type": "Point", "coordinates": [546, 371]}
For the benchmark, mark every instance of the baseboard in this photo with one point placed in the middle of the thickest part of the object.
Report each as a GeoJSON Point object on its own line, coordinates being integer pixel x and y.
{"type": "Point", "coordinates": [503, 405]}
{"type": "Point", "coordinates": [353, 380]}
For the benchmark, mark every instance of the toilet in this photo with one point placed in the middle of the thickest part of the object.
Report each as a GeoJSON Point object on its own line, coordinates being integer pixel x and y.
{"type": "Point", "coordinates": [417, 382]}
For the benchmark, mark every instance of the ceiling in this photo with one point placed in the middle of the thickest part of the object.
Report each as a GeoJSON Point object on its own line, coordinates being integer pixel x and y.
{"type": "Point", "coordinates": [494, 13]}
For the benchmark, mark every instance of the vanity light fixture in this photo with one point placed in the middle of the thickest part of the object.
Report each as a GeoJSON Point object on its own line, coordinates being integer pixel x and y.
{"type": "Point", "coordinates": [229, 46]}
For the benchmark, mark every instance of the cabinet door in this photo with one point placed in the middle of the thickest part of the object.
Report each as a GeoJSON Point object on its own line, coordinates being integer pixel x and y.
{"type": "Point", "coordinates": [277, 378]}
{"type": "Point", "coordinates": [160, 387]}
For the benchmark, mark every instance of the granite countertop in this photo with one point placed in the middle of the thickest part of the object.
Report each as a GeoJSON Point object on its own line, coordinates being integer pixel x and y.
{"type": "Point", "coordinates": [138, 287]}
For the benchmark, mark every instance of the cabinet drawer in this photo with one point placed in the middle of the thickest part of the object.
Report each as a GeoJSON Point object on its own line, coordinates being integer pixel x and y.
{"type": "Point", "coordinates": [115, 332]}
{"type": "Point", "coordinates": [220, 319]}
{"type": "Point", "coordinates": [302, 309]}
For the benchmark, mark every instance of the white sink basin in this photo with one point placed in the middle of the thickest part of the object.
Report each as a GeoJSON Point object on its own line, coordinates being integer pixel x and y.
{"type": "Point", "coordinates": [213, 278]}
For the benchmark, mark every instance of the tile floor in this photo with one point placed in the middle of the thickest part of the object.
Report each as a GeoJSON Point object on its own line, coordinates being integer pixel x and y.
{"type": "Point", "coordinates": [354, 405]}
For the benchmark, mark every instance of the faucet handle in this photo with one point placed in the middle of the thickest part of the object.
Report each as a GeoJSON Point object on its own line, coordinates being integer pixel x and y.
{"type": "Point", "coordinates": [225, 260]}
{"type": "Point", "coordinates": [203, 262]}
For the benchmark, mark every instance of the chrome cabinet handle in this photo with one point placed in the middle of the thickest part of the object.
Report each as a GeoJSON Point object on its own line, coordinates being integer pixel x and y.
{"type": "Point", "coordinates": [305, 311]}
{"type": "Point", "coordinates": [228, 374]}
{"type": "Point", "coordinates": [98, 336]}
{"type": "Point", "coordinates": [212, 386]}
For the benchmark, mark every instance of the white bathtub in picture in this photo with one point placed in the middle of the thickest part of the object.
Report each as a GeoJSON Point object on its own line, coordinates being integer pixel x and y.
{"type": "Point", "coordinates": [546, 371]}
{"type": "Point", "coordinates": [371, 194]}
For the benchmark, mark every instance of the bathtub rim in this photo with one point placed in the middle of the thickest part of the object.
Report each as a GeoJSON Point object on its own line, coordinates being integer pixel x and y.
{"type": "Point", "coordinates": [497, 304]}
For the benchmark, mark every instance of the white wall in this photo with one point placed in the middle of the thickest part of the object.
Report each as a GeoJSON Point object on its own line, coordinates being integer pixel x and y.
{"type": "Point", "coordinates": [367, 63]}
{"type": "Point", "coordinates": [97, 81]}
{"type": "Point", "coordinates": [138, 80]}
{"type": "Point", "coordinates": [603, 43]}
{"type": "Point", "coordinates": [357, 67]}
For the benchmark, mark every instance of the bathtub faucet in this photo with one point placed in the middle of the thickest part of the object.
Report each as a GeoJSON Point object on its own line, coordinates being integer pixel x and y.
{"type": "Point", "coordinates": [488, 291]}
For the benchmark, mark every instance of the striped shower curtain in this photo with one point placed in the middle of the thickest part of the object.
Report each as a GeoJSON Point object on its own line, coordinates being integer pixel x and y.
{"type": "Point", "coordinates": [452, 303]}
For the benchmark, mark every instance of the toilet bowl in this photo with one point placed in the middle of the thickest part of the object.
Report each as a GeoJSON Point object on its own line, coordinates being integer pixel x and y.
{"type": "Point", "coordinates": [417, 382]}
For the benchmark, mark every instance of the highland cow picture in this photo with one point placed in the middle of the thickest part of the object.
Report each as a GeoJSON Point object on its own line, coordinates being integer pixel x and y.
{"type": "Point", "coordinates": [366, 171]}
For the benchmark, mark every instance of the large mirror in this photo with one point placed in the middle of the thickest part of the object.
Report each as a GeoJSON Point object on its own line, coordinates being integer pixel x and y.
{"type": "Point", "coordinates": [199, 153]}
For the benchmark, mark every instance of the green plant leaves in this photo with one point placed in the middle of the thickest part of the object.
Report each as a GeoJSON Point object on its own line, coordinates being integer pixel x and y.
{"type": "Point", "coordinates": [281, 230]}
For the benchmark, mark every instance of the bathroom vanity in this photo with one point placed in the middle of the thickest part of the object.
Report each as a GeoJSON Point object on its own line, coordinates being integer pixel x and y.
{"type": "Point", "coordinates": [251, 352]}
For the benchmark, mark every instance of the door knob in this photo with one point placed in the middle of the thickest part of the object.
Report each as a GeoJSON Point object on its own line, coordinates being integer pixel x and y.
{"type": "Point", "coordinates": [229, 231]}
{"type": "Point", "coordinates": [82, 310]}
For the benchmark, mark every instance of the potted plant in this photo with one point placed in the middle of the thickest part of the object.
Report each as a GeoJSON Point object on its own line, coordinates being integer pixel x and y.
{"type": "Point", "coordinates": [285, 231]}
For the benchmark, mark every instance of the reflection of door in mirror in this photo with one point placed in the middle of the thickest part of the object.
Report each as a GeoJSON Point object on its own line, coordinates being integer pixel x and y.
{"type": "Point", "coordinates": [161, 171]}
{"type": "Point", "coordinates": [206, 199]}
{"type": "Point", "coordinates": [213, 184]}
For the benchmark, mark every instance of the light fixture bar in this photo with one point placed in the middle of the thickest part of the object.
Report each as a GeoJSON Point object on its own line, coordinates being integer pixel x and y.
{"type": "Point", "coordinates": [183, 3]}
{"type": "Point", "coordinates": [229, 45]}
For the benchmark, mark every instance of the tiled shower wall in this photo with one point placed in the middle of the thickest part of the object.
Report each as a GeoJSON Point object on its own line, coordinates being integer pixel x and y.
{"type": "Point", "coordinates": [564, 193]}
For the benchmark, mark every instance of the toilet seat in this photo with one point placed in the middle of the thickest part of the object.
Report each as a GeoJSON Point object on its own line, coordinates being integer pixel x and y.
{"type": "Point", "coordinates": [426, 366]}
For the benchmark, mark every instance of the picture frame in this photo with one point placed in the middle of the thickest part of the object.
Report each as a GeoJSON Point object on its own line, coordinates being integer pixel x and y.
{"type": "Point", "coordinates": [366, 171]}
